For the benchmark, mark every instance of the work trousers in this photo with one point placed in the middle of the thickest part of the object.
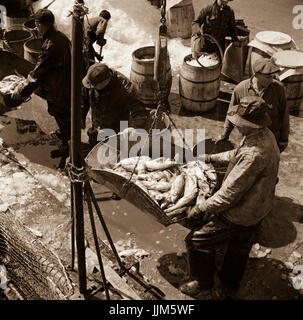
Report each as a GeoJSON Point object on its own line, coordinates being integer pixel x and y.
{"type": "Point", "coordinates": [62, 114]}
{"type": "Point", "coordinates": [203, 243]}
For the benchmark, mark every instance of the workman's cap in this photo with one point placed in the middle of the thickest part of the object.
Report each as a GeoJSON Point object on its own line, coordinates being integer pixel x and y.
{"type": "Point", "coordinates": [265, 66]}
{"type": "Point", "coordinates": [105, 14]}
{"type": "Point", "coordinates": [251, 112]}
{"type": "Point", "coordinates": [96, 73]}
{"type": "Point", "coordinates": [44, 16]}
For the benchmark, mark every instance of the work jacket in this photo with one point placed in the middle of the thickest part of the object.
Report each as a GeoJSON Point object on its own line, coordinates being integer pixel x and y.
{"type": "Point", "coordinates": [117, 102]}
{"type": "Point", "coordinates": [217, 23]}
{"type": "Point", "coordinates": [274, 96]}
{"type": "Point", "coordinates": [247, 192]}
{"type": "Point", "coordinates": [52, 71]}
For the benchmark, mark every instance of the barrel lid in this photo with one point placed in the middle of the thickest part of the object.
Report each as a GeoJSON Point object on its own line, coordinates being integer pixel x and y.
{"type": "Point", "coordinates": [289, 59]}
{"type": "Point", "coordinates": [273, 37]}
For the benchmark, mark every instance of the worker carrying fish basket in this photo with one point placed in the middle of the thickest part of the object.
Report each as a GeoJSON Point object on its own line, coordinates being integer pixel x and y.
{"type": "Point", "coordinates": [155, 178]}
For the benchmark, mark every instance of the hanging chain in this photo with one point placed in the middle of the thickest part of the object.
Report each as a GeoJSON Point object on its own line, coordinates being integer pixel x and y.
{"type": "Point", "coordinates": [163, 27]}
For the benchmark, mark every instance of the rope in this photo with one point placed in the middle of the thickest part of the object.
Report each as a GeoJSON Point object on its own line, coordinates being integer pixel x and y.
{"type": "Point", "coordinates": [79, 11]}
{"type": "Point", "coordinates": [77, 175]}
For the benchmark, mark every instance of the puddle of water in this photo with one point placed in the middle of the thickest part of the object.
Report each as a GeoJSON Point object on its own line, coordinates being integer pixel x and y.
{"type": "Point", "coordinates": [25, 137]}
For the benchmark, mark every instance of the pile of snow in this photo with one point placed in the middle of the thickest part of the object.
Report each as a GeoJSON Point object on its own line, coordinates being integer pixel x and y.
{"type": "Point", "coordinates": [134, 24]}
{"type": "Point", "coordinates": [15, 188]}
{"type": "Point", "coordinates": [56, 185]}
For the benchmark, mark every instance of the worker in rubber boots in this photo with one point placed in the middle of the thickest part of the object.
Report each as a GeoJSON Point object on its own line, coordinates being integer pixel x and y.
{"type": "Point", "coordinates": [234, 213]}
{"type": "Point", "coordinates": [113, 99]}
{"type": "Point", "coordinates": [217, 20]}
{"type": "Point", "coordinates": [51, 77]}
{"type": "Point", "coordinates": [262, 84]}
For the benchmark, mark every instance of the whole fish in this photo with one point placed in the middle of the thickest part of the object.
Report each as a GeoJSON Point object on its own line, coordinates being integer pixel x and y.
{"type": "Point", "coordinates": [211, 174]}
{"type": "Point", "coordinates": [177, 188]}
{"type": "Point", "coordinates": [159, 164]}
{"type": "Point", "coordinates": [204, 187]}
{"type": "Point", "coordinates": [200, 198]}
{"type": "Point", "coordinates": [190, 193]}
{"type": "Point", "coordinates": [155, 185]}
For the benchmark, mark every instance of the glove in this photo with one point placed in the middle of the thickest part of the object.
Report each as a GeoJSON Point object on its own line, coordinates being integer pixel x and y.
{"type": "Point", "coordinates": [198, 213]}
{"type": "Point", "coordinates": [195, 213]}
{"type": "Point", "coordinates": [101, 41]}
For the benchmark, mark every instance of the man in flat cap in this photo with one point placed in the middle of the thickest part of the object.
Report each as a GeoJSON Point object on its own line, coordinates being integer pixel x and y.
{"type": "Point", "coordinates": [217, 20]}
{"type": "Point", "coordinates": [51, 77]}
{"type": "Point", "coordinates": [263, 84]}
{"type": "Point", "coordinates": [113, 99]}
{"type": "Point", "coordinates": [233, 214]}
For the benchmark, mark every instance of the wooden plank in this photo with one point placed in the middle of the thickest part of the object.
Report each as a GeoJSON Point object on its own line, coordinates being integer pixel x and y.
{"type": "Point", "coordinates": [112, 276]}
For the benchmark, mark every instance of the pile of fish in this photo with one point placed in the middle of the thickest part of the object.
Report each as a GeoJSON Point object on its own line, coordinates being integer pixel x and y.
{"type": "Point", "coordinates": [206, 59]}
{"type": "Point", "coordinates": [175, 187]}
{"type": "Point", "coordinates": [9, 84]}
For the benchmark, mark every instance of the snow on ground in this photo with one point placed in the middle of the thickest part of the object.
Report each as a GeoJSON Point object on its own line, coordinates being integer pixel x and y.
{"type": "Point", "coordinates": [134, 24]}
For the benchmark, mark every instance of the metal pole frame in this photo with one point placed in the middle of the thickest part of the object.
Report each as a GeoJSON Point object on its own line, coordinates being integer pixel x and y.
{"type": "Point", "coordinates": [76, 159]}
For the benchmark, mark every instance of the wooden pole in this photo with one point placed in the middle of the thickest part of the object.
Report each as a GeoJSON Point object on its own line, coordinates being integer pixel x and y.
{"type": "Point", "coordinates": [76, 158]}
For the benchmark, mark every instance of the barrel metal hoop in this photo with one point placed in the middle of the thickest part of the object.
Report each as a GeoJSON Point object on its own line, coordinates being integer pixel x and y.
{"type": "Point", "coordinates": [297, 98]}
{"type": "Point", "coordinates": [199, 81]}
{"type": "Point", "coordinates": [146, 74]}
{"type": "Point", "coordinates": [210, 100]}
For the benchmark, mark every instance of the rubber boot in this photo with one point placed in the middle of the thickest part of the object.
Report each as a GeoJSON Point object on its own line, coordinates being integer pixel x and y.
{"type": "Point", "coordinates": [201, 263]}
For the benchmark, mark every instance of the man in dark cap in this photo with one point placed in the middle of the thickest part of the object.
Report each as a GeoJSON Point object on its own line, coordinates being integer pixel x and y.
{"type": "Point", "coordinates": [217, 20]}
{"type": "Point", "coordinates": [52, 76]}
{"type": "Point", "coordinates": [233, 214]}
{"type": "Point", "coordinates": [263, 84]}
{"type": "Point", "coordinates": [113, 99]}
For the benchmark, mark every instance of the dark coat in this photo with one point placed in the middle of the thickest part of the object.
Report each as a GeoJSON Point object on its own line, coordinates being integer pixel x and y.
{"type": "Point", "coordinates": [217, 23]}
{"type": "Point", "coordinates": [117, 102]}
{"type": "Point", "coordinates": [53, 68]}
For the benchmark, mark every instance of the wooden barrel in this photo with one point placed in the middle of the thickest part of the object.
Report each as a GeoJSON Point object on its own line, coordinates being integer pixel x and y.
{"type": "Point", "coordinates": [32, 50]}
{"type": "Point", "coordinates": [179, 20]}
{"type": "Point", "coordinates": [199, 86]}
{"type": "Point", "coordinates": [15, 37]}
{"type": "Point", "coordinates": [291, 75]}
{"type": "Point", "coordinates": [142, 75]}
{"type": "Point", "coordinates": [294, 93]}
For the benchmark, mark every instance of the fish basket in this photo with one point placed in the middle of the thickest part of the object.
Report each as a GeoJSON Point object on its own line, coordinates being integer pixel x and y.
{"type": "Point", "coordinates": [124, 187]}
{"type": "Point", "coordinates": [119, 184]}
